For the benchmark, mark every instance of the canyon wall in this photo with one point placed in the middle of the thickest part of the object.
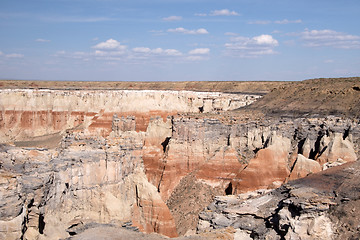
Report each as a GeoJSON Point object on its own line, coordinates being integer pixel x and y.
{"type": "Point", "coordinates": [146, 160]}
{"type": "Point", "coordinates": [26, 113]}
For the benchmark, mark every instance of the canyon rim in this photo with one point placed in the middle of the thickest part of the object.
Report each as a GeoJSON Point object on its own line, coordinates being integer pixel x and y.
{"type": "Point", "coordinates": [186, 160]}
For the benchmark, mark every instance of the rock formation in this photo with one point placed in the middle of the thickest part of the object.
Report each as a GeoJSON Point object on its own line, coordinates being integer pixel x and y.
{"type": "Point", "coordinates": [26, 113]}
{"type": "Point", "coordinates": [321, 206]}
{"type": "Point", "coordinates": [151, 161]}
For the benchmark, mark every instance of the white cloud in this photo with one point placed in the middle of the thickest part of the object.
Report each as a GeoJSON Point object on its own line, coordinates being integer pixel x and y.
{"type": "Point", "coordinates": [110, 50]}
{"type": "Point", "coordinates": [110, 44]}
{"type": "Point", "coordinates": [265, 40]}
{"type": "Point", "coordinates": [172, 18]}
{"type": "Point", "coordinates": [285, 21]}
{"type": "Point", "coordinates": [199, 51]}
{"type": "Point", "coordinates": [330, 38]}
{"type": "Point", "coordinates": [251, 47]}
{"type": "Point", "coordinates": [113, 51]}
{"type": "Point", "coordinates": [42, 40]}
{"type": "Point", "coordinates": [186, 31]}
{"type": "Point", "coordinates": [1, 53]}
{"type": "Point", "coordinates": [223, 12]}
{"type": "Point", "coordinates": [172, 52]}
{"type": "Point", "coordinates": [14, 55]}
{"type": "Point", "coordinates": [202, 31]}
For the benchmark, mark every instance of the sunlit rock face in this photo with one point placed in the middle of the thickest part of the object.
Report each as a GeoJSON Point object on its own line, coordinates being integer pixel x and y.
{"type": "Point", "coordinates": [137, 159]}
{"type": "Point", "coordinates": [34, 113]}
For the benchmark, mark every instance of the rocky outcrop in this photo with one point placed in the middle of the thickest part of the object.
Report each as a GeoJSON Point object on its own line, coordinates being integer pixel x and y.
{"type": "Point", "coordinates": [312, 208]}
{"type": "Point", "coordinates": [151, 178]}
{"type": "Point", "coordinates": [303, 167]}
{"type": "Point", "coordinates": [76, 159]}
{"type": "Point", "coordinates": [234, 158]}
{"type": "Point", "coordinates": [86, 180]}
{"type": "Point", "coordinates": [282, 214]}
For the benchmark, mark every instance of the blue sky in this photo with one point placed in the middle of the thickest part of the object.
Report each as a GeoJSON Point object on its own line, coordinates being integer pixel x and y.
{"type": "Point", "coordinates": [179, 40]}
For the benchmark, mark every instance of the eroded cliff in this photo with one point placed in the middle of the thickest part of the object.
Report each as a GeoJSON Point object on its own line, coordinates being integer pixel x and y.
{"type": "Point", "coordinates": [149, 160]}
{"type": "Point", "coordinates": [27, 114]}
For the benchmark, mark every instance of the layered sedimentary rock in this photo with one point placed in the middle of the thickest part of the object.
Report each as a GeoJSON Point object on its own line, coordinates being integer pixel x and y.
{"type": "Point", "coordinates": [32, 113]}
{"type": "Point", "coordinates": [136, 159]}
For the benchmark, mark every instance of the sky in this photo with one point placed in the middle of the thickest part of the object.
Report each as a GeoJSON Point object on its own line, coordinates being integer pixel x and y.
{"type": "Point", "coordinates": [179, 40]}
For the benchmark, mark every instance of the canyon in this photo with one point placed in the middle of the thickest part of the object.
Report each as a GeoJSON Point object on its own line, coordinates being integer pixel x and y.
{"type": "Point", "coordinates": [248, 163]}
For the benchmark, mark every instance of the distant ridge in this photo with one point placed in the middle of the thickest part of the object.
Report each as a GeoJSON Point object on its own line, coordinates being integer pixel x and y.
{"type": "Point", "coordinates": [323, 96]}
{"type": "Point", "coordinates": [260, 87]}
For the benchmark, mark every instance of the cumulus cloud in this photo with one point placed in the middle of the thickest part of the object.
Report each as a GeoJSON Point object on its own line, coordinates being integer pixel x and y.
{"type": "Point", "coordinates": [42, 40]}
{"type": "Point", "coordinates": [265, 40]}
{"type": "Point", "coordinates": [330, 38]}
{"type": "Point", "coordinates": [199, 51]}
{"type": "Point", "coordinates": [187, 31]}
{"type": "Point", "coordinates": [172, 18]}
{"type": "Point", "coordinates": [252, 47]}
{"type": "Point", "coordinates": [110, 44]}
{"type": "Point", "coordinates": [113, 51]}
{"type": "Point", "coordinates": [221, 12]}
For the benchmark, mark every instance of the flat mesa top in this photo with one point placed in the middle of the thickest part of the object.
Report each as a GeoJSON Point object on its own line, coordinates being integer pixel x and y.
{"type": "Point", "coordinates": [202, 86]}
